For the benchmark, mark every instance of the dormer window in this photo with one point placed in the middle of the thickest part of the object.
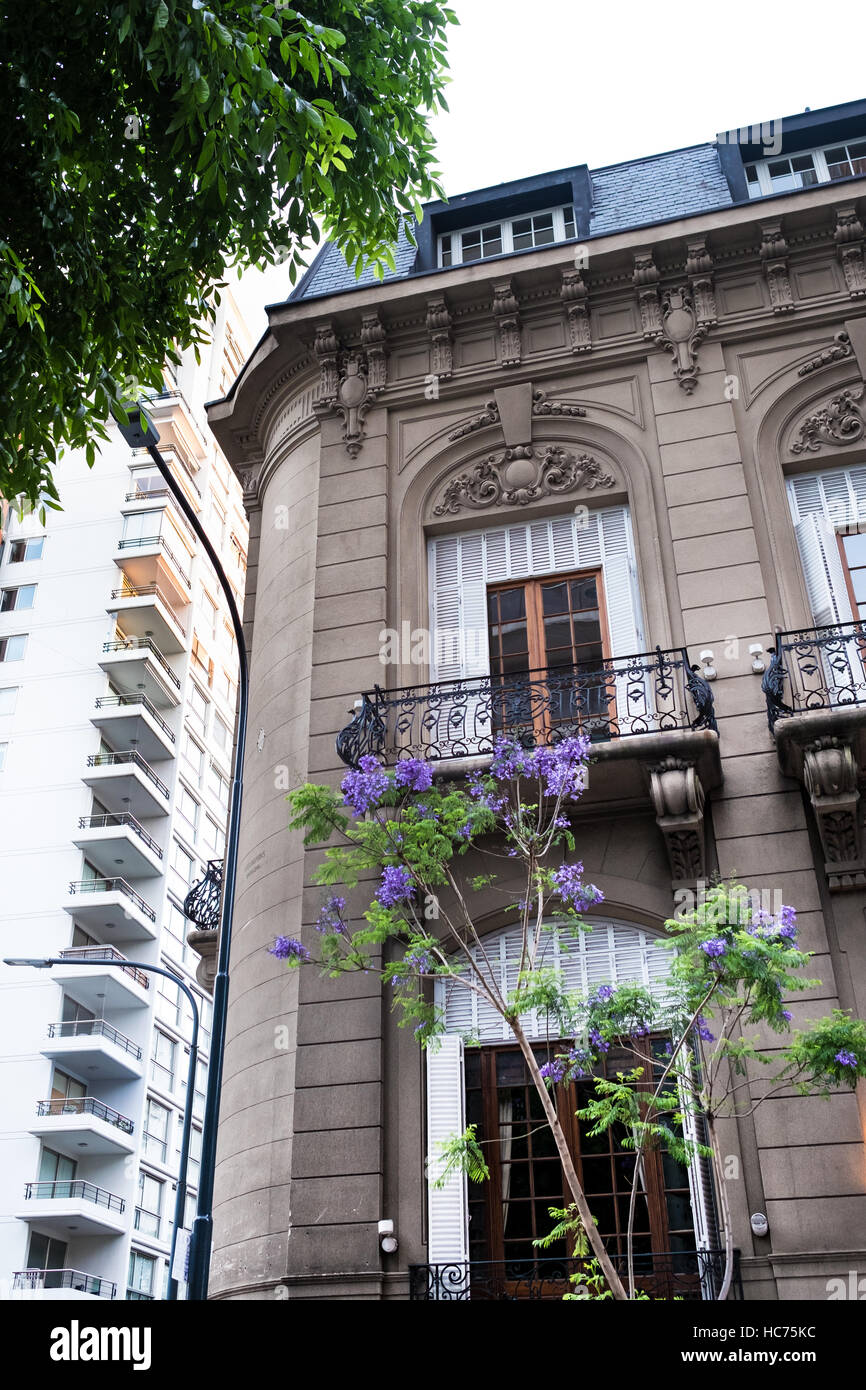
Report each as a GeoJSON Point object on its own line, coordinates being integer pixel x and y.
{"type": "Point", "coordinates": [787, 172]}
{"type": "Point", "coordinates": [514, 234]}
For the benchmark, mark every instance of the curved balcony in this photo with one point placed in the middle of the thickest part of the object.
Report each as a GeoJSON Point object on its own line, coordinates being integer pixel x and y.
{"type": "Point", "coordinates": [148, 611]}
{"type": "Point", "coordinates": [126, 781]}
{"type": "Point", "coordinates": [92, 1047]}
{"type": "Point", "coordinates": [690, 1275]}
{"type": "Point", "coordinates": [117, 986]}
{"type": "Point", "coordinates": [109, 906]}
{"type": "Point", "coordinates": [131, 721]}
{"type": "Point", "coordinates": [116, 839]}
{"type": "Point", "coordinates": [60, 1284]}
{"type": "Point", "coordinates": [82, 1125]}
{"type": "Point", "coordinates": [73, 1205]}
{"type": "Point", "coordinates": [137, 664]}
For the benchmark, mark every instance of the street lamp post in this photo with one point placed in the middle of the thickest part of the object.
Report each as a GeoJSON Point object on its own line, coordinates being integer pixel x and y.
{"type": "Point", "coordinates": [43, 963]}
{"type": "Point", "coordinates": [140, 433]}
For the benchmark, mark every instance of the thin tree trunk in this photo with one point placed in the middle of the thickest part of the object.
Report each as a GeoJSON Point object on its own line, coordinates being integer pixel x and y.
{"type": "Point", "coordinates": [596, 1243]}
{"type": "Point", "coordinates": [726, 1214]}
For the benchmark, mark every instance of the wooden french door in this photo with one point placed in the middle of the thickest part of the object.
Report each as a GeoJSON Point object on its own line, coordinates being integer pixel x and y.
{"type": "Point", "coordinates": [556, 628]}
{"type": "Point", "coordinates": [526, 1178]}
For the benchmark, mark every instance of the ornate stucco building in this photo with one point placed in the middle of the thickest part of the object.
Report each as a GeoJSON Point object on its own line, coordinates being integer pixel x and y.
{"type": "Point", "coordinates": [605, 426]}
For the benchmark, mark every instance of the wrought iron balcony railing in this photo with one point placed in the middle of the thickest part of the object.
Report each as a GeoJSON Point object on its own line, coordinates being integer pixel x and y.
{"type": "Point", "coordinates": [690, 1275]}
{"type": "Point", "coordinates": [125, 644]}
{"type": "Point", "coordinates": [626, 695]}
{"type": "Point", "coordinates": [112, 885]}
{"type": "Point", "coordinates": [135, 697]}
{"type": "Point", "coordinates": [32, 1279]}
{"type": "Point", "coordinates": [73, 1189]}
{"type": "Point", "coordinates": [201, 906]}
{"type": "Point", "coordinates": [816, 668]}
{"type": "Point", "coordinates": [148, 591]}
{"type": "Point", "coordinates": [118, 820]}
{"type": "Point", "coordinates": [129, 756]}
{"type": "Point", "coordinates": [110, 956]}
{"type": "Point", "coordinates": [94, 1028]}
{"type": "Point", "coordinates": [85, 1105]}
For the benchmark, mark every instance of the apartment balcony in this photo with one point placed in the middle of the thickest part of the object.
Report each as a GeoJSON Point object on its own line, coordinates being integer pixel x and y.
{"type": "Point", "coordinates": [73, 1206]}
{"type": "Point", "coordinates": [131, 721]}
{"type": "Point", "coordinates": [79, 1126]}
{"type": "Point", "coordinates": [649, 718]}
{"type": "Point", "coordinates": [149, 611]}
{"type": "Point", "coordinates": [126, 782]}
{"type": "Point", "coordinates": [93, 1048]}
{"type": "Point", "coordinates": [118, 986]}
{"type": "Point", "coordinates": [110, 907]}
{"type": "Point", "coordinates": [117, 843]}
{"type": "Point", "coordinates": [692, 1276]}
{"type": "Point", "coordinates": [137, 664]}
{"type": "Point", "coordinates": [152, 559]}
{"type": "Point", "coordinates": [815, 687]}
{"type": "Point", "coordinates": [62, 1285]}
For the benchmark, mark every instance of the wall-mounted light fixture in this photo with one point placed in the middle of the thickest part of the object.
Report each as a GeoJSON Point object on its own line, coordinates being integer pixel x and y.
{"type": "Point", "coordinates": [707, 668]}
{"type": "Point", "coordinates": [387, 1238]}
{"type": "Point", "coordinates": [756, 652]}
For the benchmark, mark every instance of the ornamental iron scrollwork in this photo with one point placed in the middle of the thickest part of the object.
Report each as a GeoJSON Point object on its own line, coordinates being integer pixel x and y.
{"type": "Point", "coordinates": [690, 1275]}
{"type": "Point", "coordinates": [201, 906]}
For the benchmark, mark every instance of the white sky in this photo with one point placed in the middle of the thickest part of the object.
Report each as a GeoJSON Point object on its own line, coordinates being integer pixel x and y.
{"type": "Point", "coordinates": [543, 84]}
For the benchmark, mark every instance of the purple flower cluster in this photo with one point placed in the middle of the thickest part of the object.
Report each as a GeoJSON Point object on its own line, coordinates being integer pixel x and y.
{"type": "Point", "coordinates": [287, 948]}
{"type": "Point", "coordinates": [562, 768]}
{"type": "Point", "coordinates": [598, 1041]}
{"type": "Point", "coordinates": [787, 1015]}
{"type": "Point", "coordinates": [704, 1030]}
{"type": "Point", "coordinates": [330, 917]}
{"type": "Point", "coordinates": [364, 787]}
{"type": "Point", "coordinates": [554, 1071]}
{"type": "Point", "coordinates": [602, 994]}
{"type": "Point", "coordinates": [414, 774]}
{"type": "Point", "coordinates": [572, 889]}
{"type": "Point", "coordinates": [715, 947]}
{"type": "Point", "coordinates": [396, 886]}
{"type": "Point", "coordinates": [846, 1058]}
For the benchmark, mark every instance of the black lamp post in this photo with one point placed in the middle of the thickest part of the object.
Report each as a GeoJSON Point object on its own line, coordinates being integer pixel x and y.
{"type": "Point", "coordinates": [43, 963]}
{"type": "Point", "coordinates": [140, 433]}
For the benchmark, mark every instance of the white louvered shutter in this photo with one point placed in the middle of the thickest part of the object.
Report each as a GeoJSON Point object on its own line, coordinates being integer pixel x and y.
{"type": "Point", "coordinates": [448, 1210]}
{"type": "Point", "coordinates": [822, 570]}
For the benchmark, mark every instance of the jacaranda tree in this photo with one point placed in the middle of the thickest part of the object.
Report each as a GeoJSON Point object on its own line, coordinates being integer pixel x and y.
{"type": "Point", "coordinates": [413, 836]}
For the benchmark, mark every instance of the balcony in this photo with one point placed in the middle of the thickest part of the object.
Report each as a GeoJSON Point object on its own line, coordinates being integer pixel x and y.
{"type": "Point", "coordinates": [693, 1276]}
{"type": "Point", "coordinates": [649, 718]}
{"type": "Point", "coordinates": [126, 782]}
{"type": "Point", "coordinates": [79, 1126]}
{"type": "Point", "coordinates": [66, 1285]}
{"type": "Point", "coordinates": [146, 560]}
{"type": "Point", "coordinates": [115, 841]}
{"type": "Point", "coordinates": [118, 986]}
{"type": "Point", "coordinates": [130, 721]}
{"type": "Point", "coordinates": [73, 1205]}
{"type": "Point", "coordinates": [92, 1047]}
{"type": "Point", "coordinates": [148, 611]}
{"type": "Point", "coordinates": [815, 687]}
{"type": "Point", "coordinates": [137, 664]}
{"type": "Point", "coordinates": [110, 906]}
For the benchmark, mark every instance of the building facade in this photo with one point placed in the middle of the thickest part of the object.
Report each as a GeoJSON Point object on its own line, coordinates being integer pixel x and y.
{"type": "Point", "coordinates": [118, 679]}
{"type": "Point", "coordinates": [604, 426]}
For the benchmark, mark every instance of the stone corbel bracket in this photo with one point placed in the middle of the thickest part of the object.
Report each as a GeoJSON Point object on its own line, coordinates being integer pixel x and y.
{"type": "Point", "coordinates": [646, 281]}
{"type": "Point", "coordinates": [849, 237]}
{"type": "Point", "coordinates": [774, 255]}
{"type": "Point", "coordinates": [678, 801]}
{"type": "Point", "coordinates": [699, 269]}
{"type": "Point", "coordinates": [506, 312]}
{"type": "Point", "coordinates": [438, 324]}
{"type": "Point", "coordinates": [574, 296]}
{"type": "Point", "coordinates": [681, 334]}
{"type": "Point", "coordinates": [349, 382]}
{"type": "Point", "coordinates": [830, 776]}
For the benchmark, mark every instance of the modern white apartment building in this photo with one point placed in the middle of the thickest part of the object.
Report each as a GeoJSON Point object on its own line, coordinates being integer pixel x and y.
{"type": "Point", "coordinates": [118, 671]}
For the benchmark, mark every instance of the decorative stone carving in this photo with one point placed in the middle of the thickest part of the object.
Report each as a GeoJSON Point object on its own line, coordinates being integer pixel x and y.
{"type": "Point", "coordinates": [506, 311]}
{"type": "Point", "coordinates": [699, 269]}
{"type": "Point", "coordinates": [542, 406]}
{"type": "Point", "coordinates": [849, 235]}
{"type": "Point", "coordinates": [574, 296]}
{"type": "Point", "coordinates": [354, 398]}
{"type": "Point", "coordinates": [439, 328]}
{"type": "Point", "coordinates": [488, 416]}
{"type": "Point", "coordinates": [520, 476]}
{"type": "Point", "coordinates": [837, 423]}
{"type": "Point", "coordinates": [841, 348]}
{"type": "Point", "coordinates": [681, 334]}
{"type": "Point", "coordinates": [774, 254]}
{"type": "Point", "coordinates": [327, 350]}
{"type": "Point", "coordinates": [646, 281]}
{"type": "Point", "coordinates": [678, 801]}
{"type": "Point", "coordinates": [830, 775]}
{"type": "Point", "coordinates": [373, 338]}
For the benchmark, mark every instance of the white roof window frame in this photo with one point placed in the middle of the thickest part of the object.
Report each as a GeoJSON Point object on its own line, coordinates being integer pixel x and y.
{"type": "Point", "coordinates": [763, 187]}
{"type": "Point", "coordinates": [450, 244]}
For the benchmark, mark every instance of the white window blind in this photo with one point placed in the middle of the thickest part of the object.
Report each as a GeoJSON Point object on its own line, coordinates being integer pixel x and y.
{"type": "Point", "coordinates": [448, 1210]}
{"type": "Point", "coordinates": [821, 504]}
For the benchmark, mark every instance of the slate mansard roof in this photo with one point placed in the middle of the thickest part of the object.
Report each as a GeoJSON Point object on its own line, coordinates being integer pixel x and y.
{"type": "Point", "coordinates": [619, 197]}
